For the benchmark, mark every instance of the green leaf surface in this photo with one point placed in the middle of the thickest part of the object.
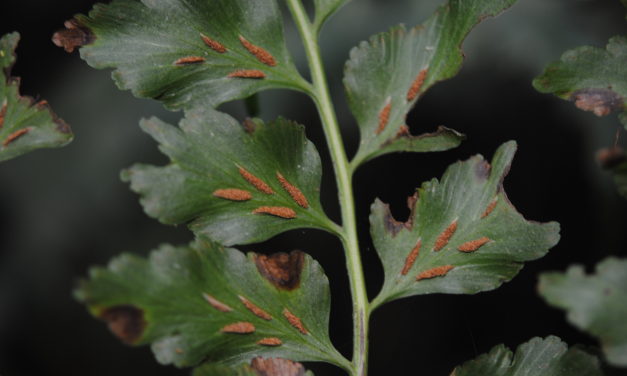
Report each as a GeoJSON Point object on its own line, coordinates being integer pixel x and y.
{"type": "Point", "coordinates": [538, 357]}
{"type": "Point", "coordinates": [258, 367]}
{"type": "Point", "coordinates": [324, 10]}
{"type": "Point", "coordinates": [387, 75]}
{"type": "Point", "coordinates": [24, 125]}
{"type": "Point", "coordinates": [463, 235]}
{"type": "Point", "coordinates": [207, 302]}
{"type": "Point", "coordinates": [595, 79]}
{"type": "Point", "coordinates": [595, 303]}
{"type": "Point", "coordinates": [145, 40]}
{"type": "Point", "coordinates": [213, 155]}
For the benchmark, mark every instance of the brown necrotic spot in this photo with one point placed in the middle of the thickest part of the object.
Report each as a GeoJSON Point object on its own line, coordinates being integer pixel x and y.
{"type": "Point", "coordinates": [411, 258]}
{"type": "Point", "coordinates": [281, 269]}
{"type": "Point", "coordinates": [294, 192]}
{"type": "Point", "coordinates": [255, 309]}
{"type": "Point", "coordinates": [62, 126]}
{"type": "Point", "coordinates": [233, 194]}
{"type": "Point", "coordinates": [391, 225]}
{"type": "Point", "coordinates": [270, 341]}
{"type": "Point", "coordinates": [74, 35]}
{"type": "Point", "coordinates": [3, 114]}
{"type": "Point", "coordinates": [249, 125]}
{"type": "Point", "coordinates": [15, 135]}
{"type": "Point", "coordinates": [125, 321]}
{"type": "Point", "coordinates": [261, 54]}
{"type": "Point", "coordinates": [213, 44]}
{"type": "Point", "coordinates": [384, 116]}
{"type": "Point", "coordinates": [239, 328]}
{"type": "Point", "coordinates": [277, 211]}
{"type": "Point", "coordinates": [294, 321]}
{"type": "Point", "coordinates": [276, 367]}
{"type": "Point", "coordinates": [489, 209]}
{"type": "Point", "coordinates": [600, 101]}
{"type": "Point", "coordinates": [413, 91]}
{"type": "Point", "coordinates": [403, 131]}
{"type": "Point", "coordinates": [215, 303]}
{"type": "Point", "coordinates": [255, 181]}
{"type": "Point", "coordinates": [188, 60]}
{"type": "Point", "coordinates": [445, 236]}
{"type": "Point", "coordinates": [247, 73]}
{"type": "Point", "coordinates": [473, 245]}
{"type": "Point", "coordinates": [434, 272]}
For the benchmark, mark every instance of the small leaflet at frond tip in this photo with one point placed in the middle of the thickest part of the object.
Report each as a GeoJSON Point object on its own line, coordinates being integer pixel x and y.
{"type": "Point", "coordinates": [386, 75]}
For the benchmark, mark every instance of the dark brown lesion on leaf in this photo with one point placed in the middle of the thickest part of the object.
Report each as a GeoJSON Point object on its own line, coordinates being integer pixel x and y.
{"type": "Point", "coordinates": [249, 125]}
{"type": "Point", "coordinates": [75, 35]}
{"type": "Point", "coordinates": [600, 101]}
{"type": "Point", "coordinates": [482, 170]}
{"type": "Point", "coordinates": [281, 269]}
{"type": "Point", "coordinates": [393, 226]}
{"type": "Point", "coordinates": [126, 322]}
{"type": "Point", "coordinates": [62, 126]}
{"type": "Point", "coordinates": [277, 367]}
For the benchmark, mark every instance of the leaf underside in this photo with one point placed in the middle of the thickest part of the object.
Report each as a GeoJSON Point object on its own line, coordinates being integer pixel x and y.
{"type": "Point", "coordinates": [24, 125]}
{"type": "Point", "coordinates": [463, 235]}
{"type": "Point", "coordinates": [210, 182]}
{"type": "Point", "coordinates": [258, 367]}
{"type": "Point", "coordinates": [538, 357]}
{"type": "Point", "coordinates": [207, 302]}
{"type": "Point", "coordinates": [387, 75]}
{"type": "Point", "coordinates": [595, 79]}
{"type": "Point", "coordinates": [595, 303]}
{"type": "Point", "coordinates": [187, 53]}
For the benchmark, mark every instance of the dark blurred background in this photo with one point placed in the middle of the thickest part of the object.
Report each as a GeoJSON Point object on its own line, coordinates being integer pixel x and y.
{"type": "Point", "coordinates": [63, 210]}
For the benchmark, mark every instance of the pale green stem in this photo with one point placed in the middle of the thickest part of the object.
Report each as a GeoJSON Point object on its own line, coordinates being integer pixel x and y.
{"type": "Point", "coordinates": [344, 186]}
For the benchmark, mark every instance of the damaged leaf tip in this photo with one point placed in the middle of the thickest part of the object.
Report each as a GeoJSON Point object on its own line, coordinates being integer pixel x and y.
{"type": "Point", "coordinates": [74, 35]}
{"type": "Point", "coordinates": [126, 322]}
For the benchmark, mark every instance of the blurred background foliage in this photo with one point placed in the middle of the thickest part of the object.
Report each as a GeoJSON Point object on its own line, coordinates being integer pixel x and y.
{"type": "Point", "coordinates": [63, 210]}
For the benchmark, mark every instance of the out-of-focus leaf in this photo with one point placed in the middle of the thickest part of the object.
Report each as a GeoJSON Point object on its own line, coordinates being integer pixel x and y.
{"type": "Point", "coordinates": [258, 367]}
{"type": "Point", "coordinates": [324, 10]}
{"type": "Point", "coordinates": [187, 52]}
{"type": "Point", "coordinates": [387, 75]}
{"type": "Point", "coordinates": [207, 302]}
{"type": "Point", "coordinates": [463, 235]}
{"type": "Point", "coordinates": [538, 357]}
{"type": "Point", "coordinates": [235, 183]}
{"type": "Point", "coordinates": [595, 303]}
{"type": "Point", "coordinates": [24, 125]}
{"type": "Point", "coordinates": [594, 78]}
